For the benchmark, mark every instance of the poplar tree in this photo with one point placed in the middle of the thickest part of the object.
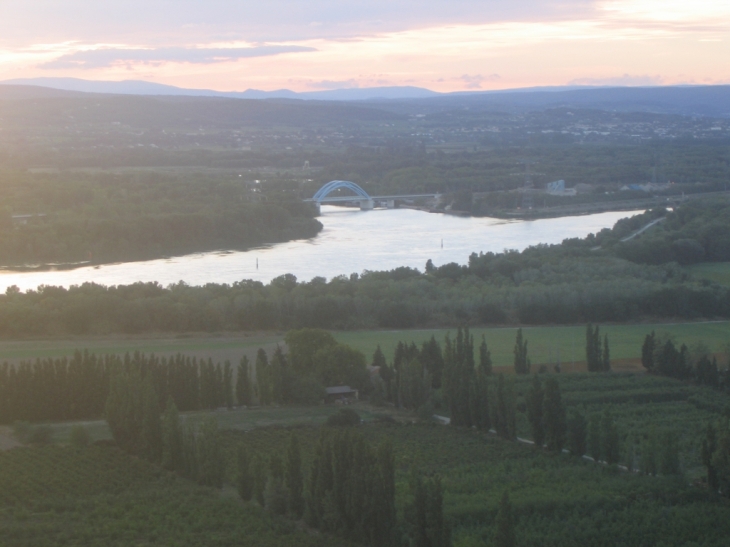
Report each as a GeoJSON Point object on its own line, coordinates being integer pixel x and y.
{"type": "Point", "coordinates": [647, 351]}
{"type": "Point", "coordinates": [577, 431]}
{"type": "Point", "coordinates": [609, 438]}
{"type": "Point", "coordinates": [534, 404]}
{"type": "Point", "coordinates": [228, 385]}
{"type": "Point", "coordinates": [432, 358]}
{"type": "Point", "coordinates": [554, 413]}
{"type": "Point", "coordinates": [521, 362]}
{"type": "Point", "coordinates": [378, 358]}
{"type": "Point", "coordinates": [172, 438]}
{"type": "Point", "coordinates": [133, 415]}
{"type": "Point", "coordinates": [276, 376]}
{"type": "Point", "coordinates": [485, 358]}
{"type": "Point", "coordinates": [606, 357]}
{"type": "Point", "coordinates": [594, 437]}
{"type": "Point", "coordinates": [262, 377]}
{"type": "Point", "coordinates": [429, 525]}
{"type": "Point", "coordinates": [243, 383]}
{"type": "Point", "coordinates": [594, 355]}
{"type": "Point", "coordinates": [504, 414]}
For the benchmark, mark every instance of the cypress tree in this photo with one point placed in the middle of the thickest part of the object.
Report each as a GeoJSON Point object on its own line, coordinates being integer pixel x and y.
{"type": "Point", "coordinates": [594, 356]}
{"type": "Point", "coordinates": [432, 358]}
{"type": "Point", "coordinates": [398, 363]}
{"type": "Point", "coordinates": [534, 404]}
{"type": "Point", "coordinates": [594, 437]}
{"type": "Point", "coordinates": [647, 352]}
{"type": "Point", "coordinates": [554, 412]}
{"type": "Point", "coordinates": [521, 361]}
{"type": "Point", "coordinates": [482, 416]}
{"type": "Point", "coordinates": [277, 373]}
{"type": "Point", "coordinates": [429, 525]}
{"type": "Point", "coordinates": [243, 383]}
{"type": "Point", "coordinates": [504, 533]}
{"type": "Point", "coordinates": [294, 480]}
{"type": "Point", "coordinates": [485, 358]}
{"type": "Point", "coordinates": [262, 377]}
{"type": "Point", "coordinates": [609, 438]}
{"type": "Point", "coordinates": [172, 438]}
{"type": "Point", "coordinates": [228, 385]}
{"type": "Point", "coordinates": [606, 357]}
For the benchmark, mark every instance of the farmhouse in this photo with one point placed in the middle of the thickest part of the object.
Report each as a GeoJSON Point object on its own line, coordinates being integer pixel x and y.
{"type": "Point", "coordinates": [341, 393]}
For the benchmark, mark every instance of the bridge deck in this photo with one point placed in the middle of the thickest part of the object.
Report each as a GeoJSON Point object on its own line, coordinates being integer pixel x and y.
{"type": "Point", "coordinates": [374, 198]}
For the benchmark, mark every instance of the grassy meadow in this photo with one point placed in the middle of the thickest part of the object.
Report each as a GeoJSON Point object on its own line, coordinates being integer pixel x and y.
{"type": "Point", "coordinates": [719, 272]}
{"type": "Point", "coordinates": [547, 344]}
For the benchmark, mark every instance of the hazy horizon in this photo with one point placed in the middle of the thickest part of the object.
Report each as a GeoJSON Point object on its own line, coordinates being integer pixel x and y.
{"type": "Point", "coordinates": [461, 45]}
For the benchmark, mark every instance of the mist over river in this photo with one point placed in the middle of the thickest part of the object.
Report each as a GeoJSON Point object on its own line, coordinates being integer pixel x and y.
{"type": "Point", "coordinates": [351, 241]}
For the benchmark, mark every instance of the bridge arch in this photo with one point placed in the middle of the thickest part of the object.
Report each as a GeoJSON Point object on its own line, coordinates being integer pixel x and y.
{"type": "Point", "coordinates": [336, 185]}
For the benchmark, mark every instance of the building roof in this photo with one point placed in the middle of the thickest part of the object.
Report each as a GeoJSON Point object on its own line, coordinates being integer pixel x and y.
{"type": "Point", "coordinates": [337, 390]}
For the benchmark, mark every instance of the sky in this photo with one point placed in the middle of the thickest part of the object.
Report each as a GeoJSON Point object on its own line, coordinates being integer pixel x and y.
{"type": "Point", "coordinates": [310, 45]}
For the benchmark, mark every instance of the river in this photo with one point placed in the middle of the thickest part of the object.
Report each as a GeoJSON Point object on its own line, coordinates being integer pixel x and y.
{"type": "Point", "coordinates": [351, 241]}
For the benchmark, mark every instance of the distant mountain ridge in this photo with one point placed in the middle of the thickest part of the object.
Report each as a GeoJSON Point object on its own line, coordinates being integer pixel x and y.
{"type": "Point", "coordinates": [712, 101]}
{"type": "Point", "coordinates": [141, 87]}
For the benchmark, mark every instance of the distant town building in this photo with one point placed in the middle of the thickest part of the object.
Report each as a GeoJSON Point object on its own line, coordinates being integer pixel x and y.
{"type": "Point", "coordinates": [557, 188]}
{"type": "Point", "coordinates": [648, 187]}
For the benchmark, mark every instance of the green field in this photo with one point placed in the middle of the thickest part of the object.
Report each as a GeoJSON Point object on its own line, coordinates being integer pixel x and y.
{"type": "Point", "coordinates": [546, 344]}
{"type": "Point", "coordinates": [719, 272]}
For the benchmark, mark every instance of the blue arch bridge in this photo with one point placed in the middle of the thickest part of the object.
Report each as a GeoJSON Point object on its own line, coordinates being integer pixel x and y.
{"type": "Point", "coordinates": [366, 201]}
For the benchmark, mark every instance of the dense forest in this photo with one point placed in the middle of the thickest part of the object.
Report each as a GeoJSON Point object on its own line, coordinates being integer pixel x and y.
{"type": "Point", "coordinates": [63, 218]}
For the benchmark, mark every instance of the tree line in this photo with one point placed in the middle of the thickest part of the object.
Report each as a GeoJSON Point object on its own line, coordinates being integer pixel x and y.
{"type": "Point", "coordinates": [660, 355]}
{"type": "Point", "coordinates": [77, 388]}
{"type": "Point", "coordinates": [102, 218]}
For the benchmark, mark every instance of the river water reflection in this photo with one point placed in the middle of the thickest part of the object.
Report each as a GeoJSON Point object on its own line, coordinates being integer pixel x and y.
{"type": "Point", "coordinates": [351, 241]}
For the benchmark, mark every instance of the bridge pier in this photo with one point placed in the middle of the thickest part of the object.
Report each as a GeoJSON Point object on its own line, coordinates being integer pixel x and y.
{"type": "Point", "coordinates": [367, 205]}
